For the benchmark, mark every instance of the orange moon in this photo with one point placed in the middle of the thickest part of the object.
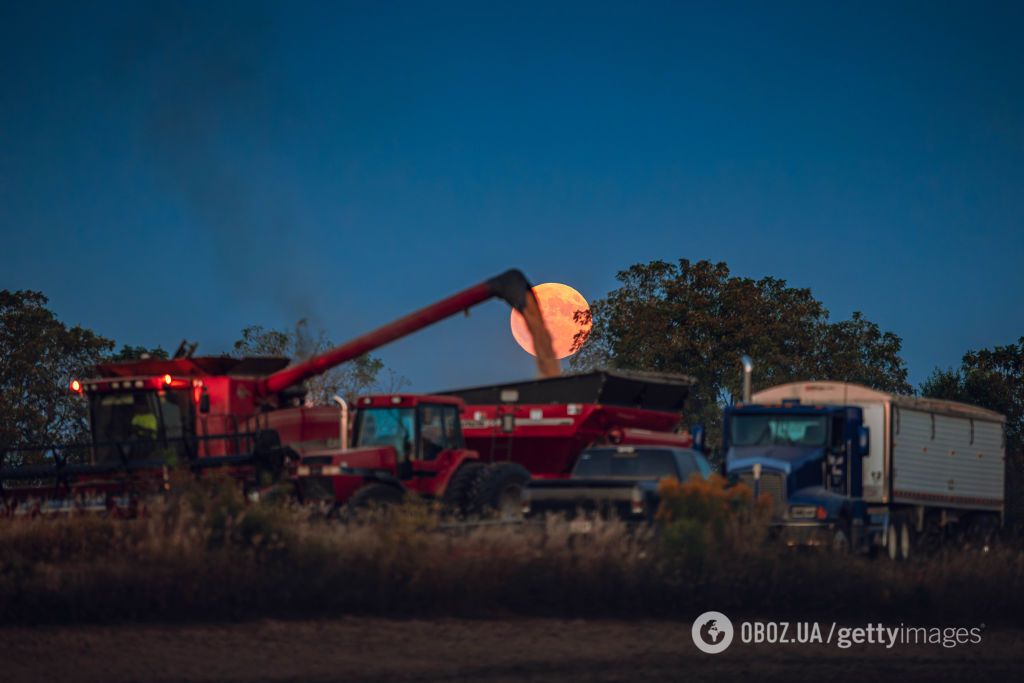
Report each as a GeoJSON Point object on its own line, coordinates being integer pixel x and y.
{"type": "Point", "coordinates": [558, 305]}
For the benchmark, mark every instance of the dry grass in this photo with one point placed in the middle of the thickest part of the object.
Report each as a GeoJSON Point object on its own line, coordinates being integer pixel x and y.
{"type": "Point", "coordinates": [206, 555]}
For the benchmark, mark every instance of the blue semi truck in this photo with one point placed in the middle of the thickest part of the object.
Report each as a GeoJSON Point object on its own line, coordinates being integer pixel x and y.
{"type": "Point", "coordinates": [859, 469]}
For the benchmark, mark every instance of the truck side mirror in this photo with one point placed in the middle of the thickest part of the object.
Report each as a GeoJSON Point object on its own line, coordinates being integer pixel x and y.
{"type": "Point", "coordinates": [863, 440]}
{"type": "Point", "coordinates": [697, 431]}
{"type": "Point", "coordinates": [204, 402]}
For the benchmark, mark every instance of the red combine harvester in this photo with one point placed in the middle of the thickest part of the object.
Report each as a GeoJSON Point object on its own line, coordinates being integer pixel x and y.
{"type": "Point", "coordinates": [240, 416]}
{"type": "Point", "coordinates": [475, 449]}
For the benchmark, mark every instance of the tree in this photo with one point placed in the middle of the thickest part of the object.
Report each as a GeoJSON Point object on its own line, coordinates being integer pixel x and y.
{"type": "Point", "coordinates": [358, 376]}
{"type": "Point", "coordinates": [39, 356]}
{"type": "Point", "coordinates": [128, 352]}
{"type": "Point", "coordinates": [698, 319]}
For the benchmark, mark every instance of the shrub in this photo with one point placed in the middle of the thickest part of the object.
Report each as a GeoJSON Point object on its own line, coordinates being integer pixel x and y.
{"type": "Point", "coordinates": [206, 554]}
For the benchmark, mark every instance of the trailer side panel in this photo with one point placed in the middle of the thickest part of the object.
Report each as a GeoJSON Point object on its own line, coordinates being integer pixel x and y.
{"type": "Point", "coordinates": [947, 461]}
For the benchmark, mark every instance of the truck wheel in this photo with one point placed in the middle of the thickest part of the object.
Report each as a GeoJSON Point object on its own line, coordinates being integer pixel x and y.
{"type": "Point", "coordinates": [373, 496]}
{"type": "Point", "coordinates": [841, 541]}
{"type": "Point", "coordinates": [499, 489]}
{"type": "Point", "coordinates": [906, 541]}
{"type": "Point", "coordinates": [892, 542]}
{"type": "Point", "coordinates": [457, 495]}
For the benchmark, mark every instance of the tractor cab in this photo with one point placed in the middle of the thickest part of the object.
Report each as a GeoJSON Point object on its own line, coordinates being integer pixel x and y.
{"type": "Point", "coordinates": [419, 428]}
{"type": "Point", "coordinates": [406, 441]}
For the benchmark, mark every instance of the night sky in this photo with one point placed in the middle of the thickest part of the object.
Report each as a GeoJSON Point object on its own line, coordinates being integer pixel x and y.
{"type": "Point", "coordinates": [170, 170]}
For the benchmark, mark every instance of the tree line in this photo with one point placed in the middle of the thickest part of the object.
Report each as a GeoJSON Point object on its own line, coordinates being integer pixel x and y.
{"type": "Point", "coordinates": [693, 318]}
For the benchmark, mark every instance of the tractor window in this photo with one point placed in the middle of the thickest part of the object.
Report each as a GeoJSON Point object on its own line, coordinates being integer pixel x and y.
{"type": "Point", "coordinates": [432, 436]}
{"type": "Point", "coordinates": [452, 426]}
{"type": "Point", "coordinates": [758, 429]}
{"type": "Point", "coordinates": [393, 427]}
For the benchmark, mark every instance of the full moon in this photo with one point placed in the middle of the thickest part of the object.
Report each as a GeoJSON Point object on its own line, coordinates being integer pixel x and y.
{"type": "Point", "coordinates": [558, 305]}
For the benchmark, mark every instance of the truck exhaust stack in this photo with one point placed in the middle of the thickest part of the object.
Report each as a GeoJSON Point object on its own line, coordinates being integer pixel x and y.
{"type": "Point", "coordinates": [748, 370]}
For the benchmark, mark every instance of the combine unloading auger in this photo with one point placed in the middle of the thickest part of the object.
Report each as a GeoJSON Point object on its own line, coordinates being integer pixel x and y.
{"type": "Point", "coordinates": [512, 286]}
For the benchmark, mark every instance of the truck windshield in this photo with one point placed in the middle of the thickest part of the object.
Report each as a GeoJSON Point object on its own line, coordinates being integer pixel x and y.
{"type": "Point", "coordinates": [393, 427]}
{"type": "Point", "coordinates": [779, 430]}
{"type": "Point", "coordinates": [641, 463]}
{"type": "Point", "coordinates": [127, 420]}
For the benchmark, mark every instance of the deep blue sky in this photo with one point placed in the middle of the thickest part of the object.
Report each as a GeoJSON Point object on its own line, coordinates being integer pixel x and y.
{"type": "Point", "coordinates": [172, 171]}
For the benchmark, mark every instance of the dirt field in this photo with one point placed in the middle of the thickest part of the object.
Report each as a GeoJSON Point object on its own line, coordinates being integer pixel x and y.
{"type": "Point", "coordinates": [463, 650]}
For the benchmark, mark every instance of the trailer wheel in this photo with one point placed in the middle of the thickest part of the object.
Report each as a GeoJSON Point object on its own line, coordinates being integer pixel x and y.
{"type": "Point", "coordinates": [373, 497]}
{"type": "Point", "coordinates": [906, 542]}
{"type": "Point", "coordinates": [458, 493]}
{"type": "Point", "coordinates": [499, 490]}
{"type": "Point", "coordinates": [982, 532]}
{"type": "Point", "coordinates": [930, 541]}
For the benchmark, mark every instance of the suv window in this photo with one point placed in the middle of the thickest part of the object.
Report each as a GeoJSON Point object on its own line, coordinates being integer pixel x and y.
{"type": "Point", "coordinates": [638, 463]}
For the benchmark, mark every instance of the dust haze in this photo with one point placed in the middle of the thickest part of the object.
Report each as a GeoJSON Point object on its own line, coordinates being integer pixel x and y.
{"type": "Point", "coordinates": [201, 80]}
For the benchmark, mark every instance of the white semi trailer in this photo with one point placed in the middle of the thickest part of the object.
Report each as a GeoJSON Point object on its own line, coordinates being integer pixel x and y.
{"type": "Point", "coordinates": [865, 467]}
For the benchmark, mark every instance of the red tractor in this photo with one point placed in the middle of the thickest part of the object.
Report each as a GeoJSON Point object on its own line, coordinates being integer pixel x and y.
{"type": "Point", "coordinates": [417, 444]}
{"type": "Point", "coordinates": [403, 444]}
{"type": "Point", "coordinates": [241, 416]}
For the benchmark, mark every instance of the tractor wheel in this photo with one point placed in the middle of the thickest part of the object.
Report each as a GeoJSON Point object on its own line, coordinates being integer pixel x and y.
{"type": "Point", "coordinates": [458, 493]}
{"type": "Point", "coordinates": [498, 490]}
{"type": "Point", "coordinates": [373, 497]}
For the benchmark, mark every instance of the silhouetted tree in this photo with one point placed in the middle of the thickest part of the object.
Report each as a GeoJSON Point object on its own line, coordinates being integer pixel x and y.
{"type": "Point", "coordinates": [128, 352]}
{"type": "Point", "coordinates": [698, 319]}
{"type": "Point", "coordinates": [359, 376]}
{"type": "Point", "coordinates": [39, 356]}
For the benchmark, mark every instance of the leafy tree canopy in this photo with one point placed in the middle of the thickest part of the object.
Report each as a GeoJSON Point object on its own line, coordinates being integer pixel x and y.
{"type": "Point", "coordinates": [39, 356]}
{"type": "Point", "coordinates": [698, 319]}
{"type": "Point", "coordinates": [359, 376]}
{"type": "Point", "coordinates": [128, 352]}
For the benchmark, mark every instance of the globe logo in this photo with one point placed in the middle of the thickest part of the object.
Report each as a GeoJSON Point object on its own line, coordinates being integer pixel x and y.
{"type": "Point", "coordinates": [712, 632]}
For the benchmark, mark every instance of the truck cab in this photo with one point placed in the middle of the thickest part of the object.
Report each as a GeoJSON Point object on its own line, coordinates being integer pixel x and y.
{"type": "Point", "coordinates": [808, 459]}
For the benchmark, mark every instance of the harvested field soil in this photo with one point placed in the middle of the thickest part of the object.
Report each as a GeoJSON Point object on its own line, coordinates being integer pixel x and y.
{"type": "Point", "coordinates": [517, 650]}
